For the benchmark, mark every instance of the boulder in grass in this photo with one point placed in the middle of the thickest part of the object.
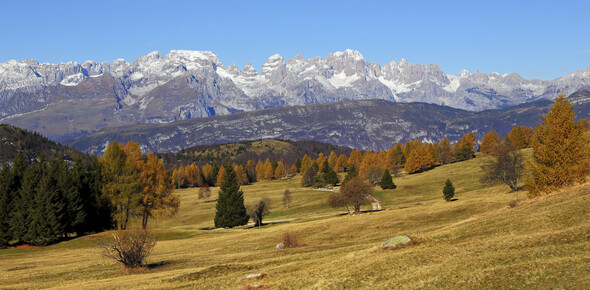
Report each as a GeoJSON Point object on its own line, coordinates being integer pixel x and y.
{"type": "Point", "coordinates": [395, 241]}
{"type": "Point", "coordinates": [280, 246]}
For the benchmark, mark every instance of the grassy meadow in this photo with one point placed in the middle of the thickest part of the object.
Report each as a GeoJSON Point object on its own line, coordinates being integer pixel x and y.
{"type": "Point", "coordinates": [488, 237]}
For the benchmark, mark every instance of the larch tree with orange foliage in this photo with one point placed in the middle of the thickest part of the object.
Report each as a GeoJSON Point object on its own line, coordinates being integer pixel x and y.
{"type": "Point", "coordinates": [157, 197]}
{"type": "Point", "coordinates": [241, 174]}
{"type": "Point", "coordinates": [341, 163]}
{"type": "Point", "coordinates": [269, 172]}
{"type": "Point", "coordinates": [220, 175]}
{"type": "Point", "coordinates": [489, 141]}
{"type": "Point", "coordinates": [280, 171]}
{"type": "Point", "coordinates": [445, 152]}
{"type": "Point", "coordinates": [465, 148]}
{"type": "Point", "coordinates": [332, 159]}
{"type": "Point", "coordinates": [560, 151]}
{"type": "Point", "coordinates": [355, 158]}
{"type": "Point", "coordinates": [520, 137]}
{"type": "Point", "coordinates": [293, 170]}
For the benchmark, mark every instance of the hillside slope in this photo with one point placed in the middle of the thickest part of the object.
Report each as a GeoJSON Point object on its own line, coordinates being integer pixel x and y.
{"type": "Point", "coordinates": [487, 238]}
{"type": "Point", "coordinates": [31, 144]}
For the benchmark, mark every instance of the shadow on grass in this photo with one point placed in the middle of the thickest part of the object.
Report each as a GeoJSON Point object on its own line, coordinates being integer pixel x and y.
{"type": "Point", "coordinates": [156, 265]}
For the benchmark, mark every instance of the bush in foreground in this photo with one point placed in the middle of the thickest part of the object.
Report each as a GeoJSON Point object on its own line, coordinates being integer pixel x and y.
{"type": "Point", "coordinates": [130, 247]}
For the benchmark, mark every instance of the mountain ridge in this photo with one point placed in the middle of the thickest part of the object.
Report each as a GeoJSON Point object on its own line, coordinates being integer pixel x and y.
{"type": "Point", "coordinates": [53, 98]}
{"type": "Point", "coordinates": [364, 124]}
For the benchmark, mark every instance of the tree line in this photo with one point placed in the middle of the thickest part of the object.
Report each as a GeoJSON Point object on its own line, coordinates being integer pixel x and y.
{"type": "Point", "coordinates": [43, 201]}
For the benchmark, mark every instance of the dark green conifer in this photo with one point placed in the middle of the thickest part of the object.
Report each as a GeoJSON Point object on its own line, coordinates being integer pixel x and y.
{"type": "Point", "coordinates": [350, 174]}
{"type": "Point", "coordinates": [23, 202]}
{"type": "Point", "coordinates": [387, 181]}
{"type": "Point", "coordinates": [448, 190]}
{"type": "Point", "coordinates": [6, 190]}
{"type": "Point", "coordinates": [213, 176]}
{"type": "Point", "coordinates": [328, 174]}
{"type": "Point", "coordinates": [230, 207]}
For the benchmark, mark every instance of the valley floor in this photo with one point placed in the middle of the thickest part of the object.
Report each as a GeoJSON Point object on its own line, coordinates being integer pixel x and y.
{"type": "Point", "coordinates": [488, 238]}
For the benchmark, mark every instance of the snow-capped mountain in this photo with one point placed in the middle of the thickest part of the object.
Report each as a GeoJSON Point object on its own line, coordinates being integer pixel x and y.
{"type": "Point", "coordinates": [190, 84]}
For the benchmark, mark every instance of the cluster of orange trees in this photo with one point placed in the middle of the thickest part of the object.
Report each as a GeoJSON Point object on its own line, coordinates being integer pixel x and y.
{"type": "Point", "coordinates": [413, 157]}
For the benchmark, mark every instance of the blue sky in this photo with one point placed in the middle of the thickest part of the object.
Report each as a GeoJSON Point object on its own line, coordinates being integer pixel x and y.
{"type": "Point", "coordinates": [538, 39]}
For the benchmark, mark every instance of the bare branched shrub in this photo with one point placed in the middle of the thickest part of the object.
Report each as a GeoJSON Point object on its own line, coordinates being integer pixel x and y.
{"type": "Point", "coordinates": [291, 240]}
{"type": "Point", "coordinates": [130, 247]}
{"type": "Point", "coordinates": [204, 192]}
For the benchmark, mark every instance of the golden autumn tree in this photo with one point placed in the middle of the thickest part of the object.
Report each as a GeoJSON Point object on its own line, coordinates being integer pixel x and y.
{"type": "Point", "coordinates": [413, 162]}
{"type": "Point", "coordinates": [408, 149]}
{"type": "Point", "coordinates": [489, 141]}
{"type": "Point", "coordinates": [220, 175]}
{"type": "Point", "coordinates": [259, 170]}
{"type": "Point", "coordinates": [120, 182]}
{"type": "Point", "coordinates": [560, 151]}
{"type": "Point", "coordinates": [241, 174]}
{"type": "Point", "coordinates": [157, 197]}
{"type": "Point", "coordinates": [206, 170]}
{"type": "Point", "coordinates": [280, 171]}
{"type": "Point", "coordinates": [355, 158]}
{"type": "Point", "coordinates": [305, 163]}
{"type": "Point", "coordinates": [520, 137]}
{"type": "Point", "coordinates": [269, 172]}
{"type": "Point", "coordinates": [465, 148]}
{"type": "Point", "coordinates": [445, 152]}
{"type": "Point", "coordinates": [332, 159]}
{"type": "Point", "coordinates": [293, 170]}
{"type": "Point", "coordinates": [341, 163]}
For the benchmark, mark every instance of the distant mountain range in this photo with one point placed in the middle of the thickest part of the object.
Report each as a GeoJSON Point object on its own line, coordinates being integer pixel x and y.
{"type": "Point", "coordinates": [364, 124]}
{"type": "Point", "coordinates": [68, 100]}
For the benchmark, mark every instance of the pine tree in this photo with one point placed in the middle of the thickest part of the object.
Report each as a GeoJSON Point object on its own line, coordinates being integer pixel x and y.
{"type": "Point", "coordinates": [213, 175]}
{"type": "Point", "coordinates": [230, 209]}
{"type": "Point", "coordinates": [23, 202]}
{"type": "Point", "coordinates": [330, 177]}
{"type": "Point", "coordinates": [350, 174]}
{"type": "Point", "coordinates": [387, 181]}
{"type": "Point", "coordinates": [448, 190]}
{"type": "Point", "coordinates": [560, 151]}
{"type": "Point", "coordinates": [6, 192]}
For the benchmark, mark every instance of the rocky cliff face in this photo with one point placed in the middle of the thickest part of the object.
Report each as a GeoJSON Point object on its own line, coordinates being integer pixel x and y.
{"type": "Point", "coordinates": [68, 100]}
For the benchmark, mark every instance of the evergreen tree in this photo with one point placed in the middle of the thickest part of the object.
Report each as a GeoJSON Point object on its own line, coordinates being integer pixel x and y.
{"type": "Point", "coordinates": [387, 181]}
{"type": "Point", "coordinates": [230, 209]}
{"type": "Point", "coordinates": [298, 165]}
{"type": "Point", "coordinates": [328, 174]}
{"type": "Point", "coordinates": [23, 201]}
{"type": "Point", "coordinates": [6, 190]}
{"type": "Point", "coordinates": [213, 175]}
{"type": "Point", "coordinates": [79, 198]}
{"type": "Point", "coordinates": [560, 151]}
{"type": "Point", "coordinates": [350, 174]}
{"type": "Point", "coordinates": [448, 190]}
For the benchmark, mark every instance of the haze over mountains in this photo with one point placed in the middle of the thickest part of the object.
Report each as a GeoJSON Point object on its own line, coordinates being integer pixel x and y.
{"type": "Point", "coordinates": [68, 100]}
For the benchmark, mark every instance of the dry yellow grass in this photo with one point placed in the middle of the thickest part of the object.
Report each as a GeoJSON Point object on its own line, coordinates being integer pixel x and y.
{"type": "Point", "coordinates": [477, 241]}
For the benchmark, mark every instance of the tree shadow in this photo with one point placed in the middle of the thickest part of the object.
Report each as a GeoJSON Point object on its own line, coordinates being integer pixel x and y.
{"type": "Point", "coordinates": [160, 264]}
